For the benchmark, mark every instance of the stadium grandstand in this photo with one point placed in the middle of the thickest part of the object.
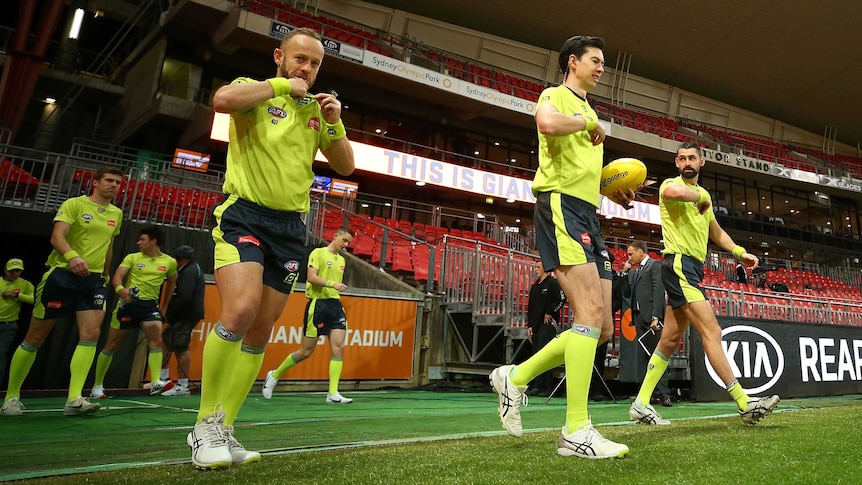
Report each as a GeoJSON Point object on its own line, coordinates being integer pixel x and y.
{"type": "Point", "coordinates": [438, 101]}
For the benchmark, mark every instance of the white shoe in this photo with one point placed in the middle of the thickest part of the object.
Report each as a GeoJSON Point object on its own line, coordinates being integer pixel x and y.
{"type": "Point", "coordinates": [80, 406]}
{"type": "Point", "coordinates": [758, 408]}
{"type": "Point", "coordinates": [98, 392]}
{"type": "Point", "coordinates": [337, 399]}
{"type": "Point", "coordinates": [238, 453]}
{"type": "Point", "coordinates": [510, 397]}
{"type": "Point", "coordinates": [646, 415]}
{"type": "Point", "coordinates": [209, 444]}
{"type": "Point", "coordinates": [12, 407]}
{"type": "Point", "coordinates": [161, 386]}
{"type": "Point", "coordinates": [587, 442]}
{"type": "Point", "coordinates": [177, 390]}
{"type": "Point", "coordinates": [269, 385]}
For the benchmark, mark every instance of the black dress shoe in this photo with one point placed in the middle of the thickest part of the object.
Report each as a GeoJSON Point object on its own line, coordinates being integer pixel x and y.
{"type": "Point", "coordinates": [597, 398]}
{"type": "Point", "coordinates": [666, 401]}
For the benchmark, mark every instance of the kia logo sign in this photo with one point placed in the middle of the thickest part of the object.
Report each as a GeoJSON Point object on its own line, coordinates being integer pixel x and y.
{"type": "Point", "coordinates": [755, 358]}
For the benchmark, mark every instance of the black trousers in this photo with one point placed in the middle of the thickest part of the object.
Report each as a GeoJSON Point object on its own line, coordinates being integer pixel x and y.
{"type": "Point", "coordinates": [541, 337]}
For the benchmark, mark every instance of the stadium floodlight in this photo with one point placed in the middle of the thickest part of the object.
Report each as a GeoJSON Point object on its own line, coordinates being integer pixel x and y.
{"type": "Point", "coordinates": [76, 23]}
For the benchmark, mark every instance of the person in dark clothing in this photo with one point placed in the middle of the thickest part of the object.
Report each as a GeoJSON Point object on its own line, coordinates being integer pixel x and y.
{"type": "Point", "coordinates": [543, 319]}
{"type": "Point", "coordinates": [741, 274]}
{"type": "Point", "coordinates": [184, 312]}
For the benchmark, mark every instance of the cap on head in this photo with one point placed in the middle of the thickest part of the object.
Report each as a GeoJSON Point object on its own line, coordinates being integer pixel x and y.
{"type": "Point", "coordinates": [185, 252]}
{"type": "Point", "coordinates": [14, 263]}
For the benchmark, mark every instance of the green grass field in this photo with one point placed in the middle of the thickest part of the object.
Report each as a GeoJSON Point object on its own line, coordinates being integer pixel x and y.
{"type": "Point", "coordinates": [432, 437]}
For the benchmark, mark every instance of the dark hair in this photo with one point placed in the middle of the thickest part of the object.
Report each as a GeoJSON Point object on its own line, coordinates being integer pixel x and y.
{"type": "Point", "coordinates": [107, 169]}
{"type": "Point", "coordinates": [577, 46]}
{"type": "Point", "coordinates": [154, 232]}
{"type": "Point", "coordinates": [638, 245]}
{"type": "Point", "coordinates": [302, 31]}
{"type": "Point", "coordinates": [345, 230]}
{"type": "Point", "coordinates": [688, 144]}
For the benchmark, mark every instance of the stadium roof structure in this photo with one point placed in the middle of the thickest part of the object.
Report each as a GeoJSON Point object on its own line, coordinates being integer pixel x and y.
{"type": "Point", "coordinates": [796, 61]}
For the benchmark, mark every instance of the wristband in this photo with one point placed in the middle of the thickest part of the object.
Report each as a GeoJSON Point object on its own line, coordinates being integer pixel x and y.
{"type": "Point", "coordinates": [336, 131]}
{"type": "Point", "coordinates": [704, 195]}
{"type": "Point", "coordinates": [118, 289]}
{"type": "Point", "coordinates": [738, 251]}
{"type": "Point", "coordinates": [280, 86]}
{"type": "Point", "coordinates": [329, 284]}
{"type": "Point", "coordinates": [70, 255]}
{"type": "Point", "coordinates": [590, 123]}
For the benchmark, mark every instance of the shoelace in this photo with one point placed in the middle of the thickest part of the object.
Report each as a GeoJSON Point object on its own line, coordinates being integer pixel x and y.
{"type": "Point", "coordinates": [232, 442]}
{"type": "Point", "coordinates": [214, 434]}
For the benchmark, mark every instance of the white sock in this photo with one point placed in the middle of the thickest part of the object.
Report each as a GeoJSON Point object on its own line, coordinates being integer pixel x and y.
{"type": "Point", "coordinates": [166, 374]}
{"type": "Point", "coordinates": [183, 381]}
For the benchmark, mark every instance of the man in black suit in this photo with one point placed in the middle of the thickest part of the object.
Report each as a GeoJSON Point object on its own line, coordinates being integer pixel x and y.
{"type": "Point", "coordinates": [644, 286]}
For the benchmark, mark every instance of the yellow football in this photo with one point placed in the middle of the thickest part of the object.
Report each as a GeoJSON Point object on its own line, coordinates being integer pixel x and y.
{"type": "Point", "coordinates": [622, 173]}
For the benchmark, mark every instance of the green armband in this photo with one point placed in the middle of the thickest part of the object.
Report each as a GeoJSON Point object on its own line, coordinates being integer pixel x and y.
{"type": "Point", "coordinates": [118, 289]}
{"type": "Point", "coordinates": [704, 195]}
{"type": "Point", "coordinates": [738, 251]}
{"type": "Point", "coordinates": [329, 284]}
{"type": "Point", "coordinates": [280, 86]}
{"type": "Point", "coordinates": [336, 131]}
{"type": "Point", "coordinates": [70, 255]}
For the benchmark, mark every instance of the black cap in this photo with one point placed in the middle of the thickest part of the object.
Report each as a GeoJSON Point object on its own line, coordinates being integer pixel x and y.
{"type": "Point", "coordinates": [184, 252]}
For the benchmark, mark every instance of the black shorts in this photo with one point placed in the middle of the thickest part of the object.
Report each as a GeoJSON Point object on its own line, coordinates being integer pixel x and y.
{"type": "Point", "coordinates": [568, 233]}
{"type": "Point", "coordinates": [247, 232]}
{"type": "Point", "coordinates": [131, 315]}
{"type": "Point", "coordinates": [178, 335]}
{"type": "Point", "coordinates": [61, 292]}
{"type": "Point", "coordinates": [682, 277]}
{"type": "Point", "coordinates": [323, 315]}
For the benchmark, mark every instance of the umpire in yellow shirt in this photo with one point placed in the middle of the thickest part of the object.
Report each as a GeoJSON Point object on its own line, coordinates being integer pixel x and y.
{"type": "Point", "coordinates": [15, 291]}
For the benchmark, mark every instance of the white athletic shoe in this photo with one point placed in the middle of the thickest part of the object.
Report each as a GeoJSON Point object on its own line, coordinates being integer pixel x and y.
{"type": "Point", "coordinates": [161, 386]}
{"type": "Point", "coordinates": [758, 408]}
{"type": "Point", "coordinates": [587, 442]}
{"type": "Point", "coordinates": [209, 443]}
{"type": "Point", "coordinates": [269, 385]}
{"type": "Point", "coordinates": [646, 415]}
{"type": "Point", "coordinates": [510, 397]}
{"type": "Point", "coordinates": [177, 390]}
{"type": "Point", "coordinates": [238, 453]}
{"type": "Point", "coordinates": [79, 406]}
{"type": "Point", "coordinates": [337, 399]}
{"type": "Point", "coordinates": [12, 407]}
{"type": "Point", "coordinates": [98, 392]}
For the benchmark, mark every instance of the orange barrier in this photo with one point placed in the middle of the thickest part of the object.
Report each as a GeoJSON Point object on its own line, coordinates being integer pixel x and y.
{"type": "Point", "coordinates": [379, 345]}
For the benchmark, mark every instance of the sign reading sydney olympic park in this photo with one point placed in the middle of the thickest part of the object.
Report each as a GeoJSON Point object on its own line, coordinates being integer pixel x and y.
{"type": "Point", "coordinates": [788, 359]}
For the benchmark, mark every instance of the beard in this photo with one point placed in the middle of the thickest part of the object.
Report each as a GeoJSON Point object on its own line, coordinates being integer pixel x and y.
{"type": "Point", "coordinates": [689, 173]}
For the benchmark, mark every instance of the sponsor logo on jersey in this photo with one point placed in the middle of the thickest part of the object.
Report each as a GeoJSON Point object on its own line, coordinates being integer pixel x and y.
{"type": "Point", "coordinates": [163, 268]}
{"type": "Point", "coordinates": [341, 268]}
{"type": "Point", "coordinates": [277, 112]}
{"type": "Point", "coordinates": [314, 123]}
{"type": "Point", "coordinates": [101, 210]}
{"type": "Point", "coordinates": [87, 218]}
{"type": "Point", "coordinates": [112, 223]}
{"type": "Point", "coordinates": [292, 266]}
{"type": "Point", "coordinates": [329, 263]}
{"type": "Point", "coordinates": [248, 240]}
{"type": "Point", "coordinates": [141, 265]}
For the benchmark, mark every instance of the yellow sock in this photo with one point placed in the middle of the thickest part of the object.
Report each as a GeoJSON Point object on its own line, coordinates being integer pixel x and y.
{"type": "Point", "coordinates": [738, 395]}
{"type": "Point", "coordinates": [103, 363]}
{"type": "Point", "coordinates": [287, 363]}
{"type": "Point", "coordinates": [550, 356]}
{"type": "Point", "coordinates": [580, 355]}
{"type": "Point", "coordinates": [154, 360]}
{"type": "Point", "coordinates": [82, 360]}
{"type": "Point", "coordinates": [221, 350]}
{"type": "Point", "coordinates": [246, 369]}
{"type": "Point", "coordinates": [334, 375]}
{"type": "Point", "coordinates": [22, 361]}
{"type": "Point", "coordinates": [655, 369]}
